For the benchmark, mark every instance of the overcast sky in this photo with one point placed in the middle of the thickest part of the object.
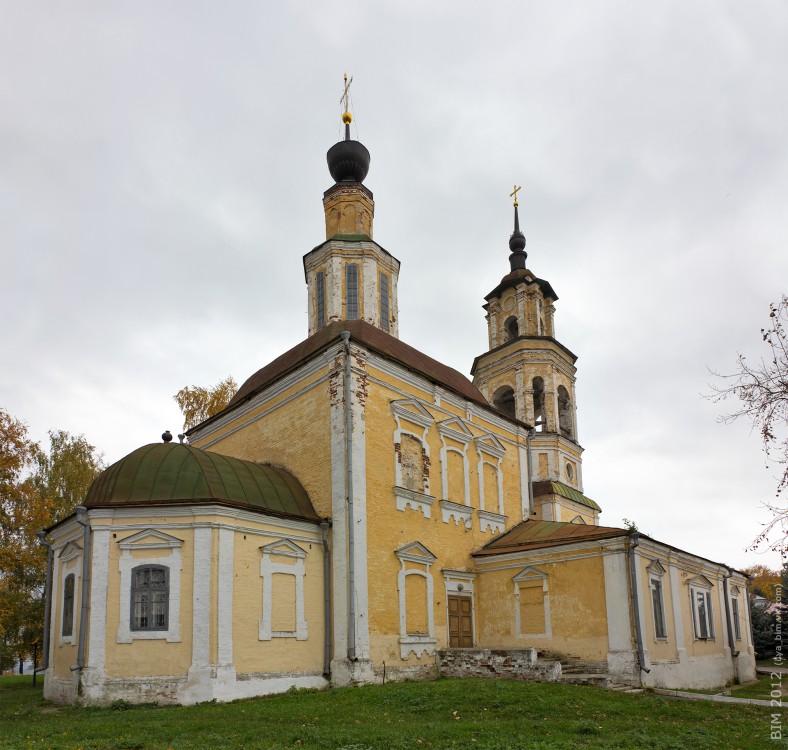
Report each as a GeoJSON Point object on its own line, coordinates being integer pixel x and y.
{"type": "Point", "coordinates": [162, 166]}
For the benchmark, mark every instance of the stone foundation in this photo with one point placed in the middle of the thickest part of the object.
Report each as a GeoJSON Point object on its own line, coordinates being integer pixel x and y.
{"type": "Point", "coordinates": [521, 664]}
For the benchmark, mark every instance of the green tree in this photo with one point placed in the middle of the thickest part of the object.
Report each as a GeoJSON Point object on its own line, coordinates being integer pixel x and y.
{"type": "Point", "coordinates": [762, 631]}
{"type": "Point", "coordinates": [761, 389]}
{"type": "Point", "coordinates": [37, 489]}
{"type": "Point", "coordinates": [197, 403]}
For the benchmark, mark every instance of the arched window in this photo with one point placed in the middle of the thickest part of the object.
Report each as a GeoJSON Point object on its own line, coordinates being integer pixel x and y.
{"type": "Point", "coordinates": [68, 605]}
{"type": "Point", "coordinates": [511, 329]}
{"type": "Point", "coordinates": [503, 400]}
{"type": "Point", "coordinates": [537, 385]}
{"type": "Point", "coordinates": [150, 594]}
{"type": "Point", "coordinates": [564, 412]}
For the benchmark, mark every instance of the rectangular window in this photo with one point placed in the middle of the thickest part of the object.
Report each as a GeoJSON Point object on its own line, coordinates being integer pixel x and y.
{"type": "Point", "coordinates": [736, 625]}
{"type": "Point", "coordinates": [149, 597]}
{"type": "Point", "coordinates": [702, 614]}
{"type": "Point", "coordinates": [68, 605]}
{"type": "Point", "coordinates": [384, 302]}
{"type": "Point", "coordinates": [321, 299]}
{"type": "Point", "coordinates": [658, 608]}
{"type": "Point", "coordinates": [351, 291]}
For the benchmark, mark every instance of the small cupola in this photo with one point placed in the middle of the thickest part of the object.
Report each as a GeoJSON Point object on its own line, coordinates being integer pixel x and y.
{"type": "Point", "coordinates": [350, 277]}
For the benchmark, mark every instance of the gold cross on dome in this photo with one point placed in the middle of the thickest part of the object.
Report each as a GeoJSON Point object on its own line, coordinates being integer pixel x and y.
{"type": "Point", "coordinates": [346, 93]}
{"type": "Point", "coordinates": [513, 194]}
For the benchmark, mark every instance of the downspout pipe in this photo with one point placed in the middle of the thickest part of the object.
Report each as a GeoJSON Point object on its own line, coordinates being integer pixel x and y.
{"type": "Point", "coordinates": [324, 525]}
{"type": "Point", "coordinates": [82, 520]}
{"type": "Point", "coordinates": [351, 541]}
{"type": "Point", "coordinates": [528, 437]}
{"type": "Point", "coordinates": [729, 622]}
{"type": "Point", "coordinates": [42, 538]}
{"type": "Point", "coordinates": [633, 592]}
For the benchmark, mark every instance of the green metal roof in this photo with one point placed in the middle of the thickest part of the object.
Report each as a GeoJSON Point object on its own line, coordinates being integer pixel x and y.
{"type": "Point", "coordinates": [564, 490]}
{"type": "Point", "coordinates": [168, 473]}
{"type": "Point", "coordinates": [352, 237]}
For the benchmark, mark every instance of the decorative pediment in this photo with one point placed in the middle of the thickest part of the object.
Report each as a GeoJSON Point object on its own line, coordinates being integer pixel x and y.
{"type": "Point", "coordinates": [529, 574]}
{"type": "Point", "coordinates": [578, 519]}
{"type": "Point", "coordinates": [490, 444]}
{"type": "Point", "coordinates": [656, 568]}
{"type": "Point", "coordinates": [415, 552]}
{"type": "Point", "coordinates": [283, 547]}
{"type": "Point", "coordinates": [150, 539]}
{"type": "Point", "coordinates": [412, 410]}
{"type": "Point", "coordinates": [700, 582]}
{"type": "Point", "coordinates": [70, 551]}
{"type": "Point", "coordinates": [455, 428]}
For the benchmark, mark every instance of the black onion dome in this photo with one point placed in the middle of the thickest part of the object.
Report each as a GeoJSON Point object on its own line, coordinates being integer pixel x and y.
{"type": "Point", "coordinates": [348, 160]}
{"type": "Point", "coordinates": [517, 244]}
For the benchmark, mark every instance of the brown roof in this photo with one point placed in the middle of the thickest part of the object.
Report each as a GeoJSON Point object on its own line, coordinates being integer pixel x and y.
{"type": "Point", "coordinates": [530, 535]}
{"type": "Point", "coordinates": [373, 338]}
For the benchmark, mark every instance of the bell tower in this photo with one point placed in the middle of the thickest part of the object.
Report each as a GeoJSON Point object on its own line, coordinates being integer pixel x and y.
{"type": "Point", "coordinates": [350, 276]}
{"type": "Point", "coordinates": [528, 374]}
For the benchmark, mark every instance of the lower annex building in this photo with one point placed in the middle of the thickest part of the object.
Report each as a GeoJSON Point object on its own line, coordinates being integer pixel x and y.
{"type": "Point", "coordinates": [361, 508]}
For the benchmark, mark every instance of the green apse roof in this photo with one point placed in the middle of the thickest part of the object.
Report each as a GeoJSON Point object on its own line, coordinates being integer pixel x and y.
{"type": "Point", "coordinates": [564, 490]}
{"type": "Point", "coordinates": [176, 474]}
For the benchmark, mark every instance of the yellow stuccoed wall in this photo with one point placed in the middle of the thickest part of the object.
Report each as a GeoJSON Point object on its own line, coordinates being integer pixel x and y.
{"type": "Point", "coordinates": [578, 616]}
{"type": "Point", "coordinates": [389, 529]}
{"type": "Point", "coordinates": [293, 434]}
{"type": "Point", "coordinates": [158, 656]}
{"type": "Point", "coordinates": [251, 655]}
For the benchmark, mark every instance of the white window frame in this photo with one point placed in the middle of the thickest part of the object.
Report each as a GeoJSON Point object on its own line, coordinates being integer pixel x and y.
{"type": "Point", "coordinates": [283, 548]}
{"type": "Point", "coordinates": [736, 612]}
{"type": "Point", "coordinates": [656, 573]}
{"type": "Point", "coordinates": [70, 563]}
{"type": "Point", "coordinates": [702, 586]}
{"type": "Point", "coordinates": [415, 552]}
{"type": "Point", "coordinates": [172, 559]}
{"type": "Point", "coordinates": [530, 574]}
{"type": "Point", "coordinates": [411, 411]}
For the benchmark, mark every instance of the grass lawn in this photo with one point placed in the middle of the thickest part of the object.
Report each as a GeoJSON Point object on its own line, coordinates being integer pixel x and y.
{"type": "Point", "coordinates": [473, 713]}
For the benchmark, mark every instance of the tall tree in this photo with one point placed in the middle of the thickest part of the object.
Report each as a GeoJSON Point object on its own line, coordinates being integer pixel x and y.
{"type": "Point", "coordinates": [197, 403]}
{"type": "Point", "coordinates": [37, 488]}
{"type": "Point", "coordinates": [762, 391]}
{"type": "Point", "coordinates": [764, 581]}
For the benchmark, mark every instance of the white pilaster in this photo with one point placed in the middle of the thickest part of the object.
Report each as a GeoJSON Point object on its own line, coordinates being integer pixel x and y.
{"type": "Point", "coordinates": [225, 596]}
{"type": "Point", "coordinates": [201, 605]}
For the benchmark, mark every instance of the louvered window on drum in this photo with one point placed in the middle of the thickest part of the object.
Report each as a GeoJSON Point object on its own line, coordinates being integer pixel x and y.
{"type": "Point", "coordinates": [384, 302]}
{"type": "Point", "coordinates": [321, 299]}
{"type": "Point", "coordinates": [351, 291]}
{"type": "Point", "coordinates": [150, 593]}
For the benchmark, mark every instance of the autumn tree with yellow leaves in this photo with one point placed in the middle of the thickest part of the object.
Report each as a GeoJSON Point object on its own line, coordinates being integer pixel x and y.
{"type": "Point", "coordinates": [38, 488]}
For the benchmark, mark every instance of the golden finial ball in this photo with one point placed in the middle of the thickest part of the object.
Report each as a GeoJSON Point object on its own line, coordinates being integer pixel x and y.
{"type": "Point", "coordinates": [347, 118]}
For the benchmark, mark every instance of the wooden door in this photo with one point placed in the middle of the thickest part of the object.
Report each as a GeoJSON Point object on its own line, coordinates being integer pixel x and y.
{"type": "Point", "coordinates": [460, 622]}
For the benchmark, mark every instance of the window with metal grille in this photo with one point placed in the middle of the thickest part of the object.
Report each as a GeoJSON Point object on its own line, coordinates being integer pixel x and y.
{"type": "Point", "coordinates": [384, 302]}
{"type": "Point", "coordinates": [660, 631]}
{"type": "Point", "coordinates": [351, 291]}
{"type": "Point", "coordinates": [150, 593]}
{"type": "Point", "coordinates": [321, 299]}
{"type": "Point", "coordinates": [68, 605]}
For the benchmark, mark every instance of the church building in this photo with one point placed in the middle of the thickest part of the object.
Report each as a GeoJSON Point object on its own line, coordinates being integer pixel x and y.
{"type": "Point", "coordinates": [361, 512]}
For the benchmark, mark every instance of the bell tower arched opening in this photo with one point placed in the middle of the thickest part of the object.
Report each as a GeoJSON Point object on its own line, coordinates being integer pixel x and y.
{"type": "Point", "coordinates": [511, 329]}
{"type": "Point", "coordinates": [503, 400]}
